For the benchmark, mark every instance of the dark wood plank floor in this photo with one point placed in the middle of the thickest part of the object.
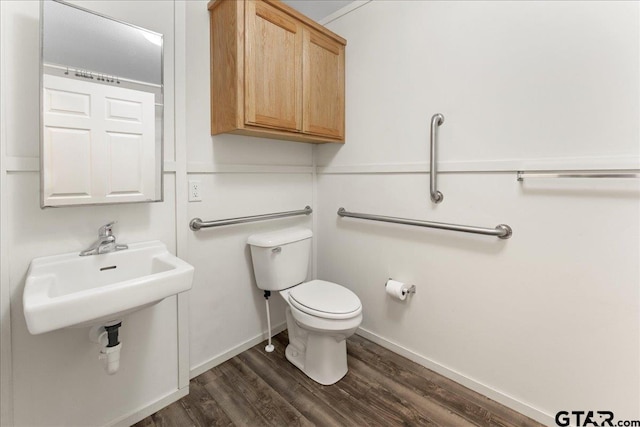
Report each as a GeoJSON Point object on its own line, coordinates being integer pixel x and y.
{"type": "Point", "coordinates": [381, 388]}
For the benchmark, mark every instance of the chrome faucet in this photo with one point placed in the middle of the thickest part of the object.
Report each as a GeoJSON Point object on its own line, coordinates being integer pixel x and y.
{"type": "Point", "coordinates": [106, 242]}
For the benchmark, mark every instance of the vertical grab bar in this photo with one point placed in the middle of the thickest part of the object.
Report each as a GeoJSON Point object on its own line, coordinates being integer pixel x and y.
{"type": "Point", "coordinates": [436, 196]}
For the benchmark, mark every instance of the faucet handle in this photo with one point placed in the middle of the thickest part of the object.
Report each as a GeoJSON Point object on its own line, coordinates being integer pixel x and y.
{"type": "Point", "coordinates": [106, 230]}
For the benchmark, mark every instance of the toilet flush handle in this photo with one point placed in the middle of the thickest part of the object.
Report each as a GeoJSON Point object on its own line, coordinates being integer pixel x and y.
{"type": "Point", "coordinates": [276, 250]}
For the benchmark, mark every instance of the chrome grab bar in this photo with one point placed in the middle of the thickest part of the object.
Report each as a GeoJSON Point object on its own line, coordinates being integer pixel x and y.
{"type": "Point", "coordinates": [502, 231]}
{"type": "Point", "coordinates": [196, 223]}
{"type": "Point", "coordinates": [436, 196]}
{"type": "Point", "coordinates": [604, 173]}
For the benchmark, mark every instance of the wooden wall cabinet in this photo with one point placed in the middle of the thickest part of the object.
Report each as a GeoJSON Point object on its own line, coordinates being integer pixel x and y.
{"type": "Point", "coordinates": [275, 73]}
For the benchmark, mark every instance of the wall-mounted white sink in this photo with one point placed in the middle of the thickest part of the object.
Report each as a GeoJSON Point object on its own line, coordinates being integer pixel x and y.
{"type": "Point", "coordinates": [70, 290]}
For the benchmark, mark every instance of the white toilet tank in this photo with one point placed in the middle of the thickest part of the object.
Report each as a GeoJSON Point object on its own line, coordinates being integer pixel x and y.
{"type": "Point", "coordinates": [280, 258]}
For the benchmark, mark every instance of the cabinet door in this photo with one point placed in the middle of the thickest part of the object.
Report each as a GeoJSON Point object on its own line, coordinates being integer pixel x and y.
{"type": "Point", "coordinates": [323, 83]}
{"type": "Point", "coordinates": [273, 68]}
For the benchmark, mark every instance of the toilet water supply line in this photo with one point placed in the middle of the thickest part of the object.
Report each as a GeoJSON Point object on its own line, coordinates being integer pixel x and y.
{"type": "Point", "coordinates": [269, 347]}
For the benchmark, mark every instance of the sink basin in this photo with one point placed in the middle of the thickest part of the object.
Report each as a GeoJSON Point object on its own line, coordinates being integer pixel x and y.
{"type": "Point", "coordinates": [70, 290]}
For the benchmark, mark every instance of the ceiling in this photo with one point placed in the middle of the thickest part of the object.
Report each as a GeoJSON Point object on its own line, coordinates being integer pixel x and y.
{"type": "Point", "coordinates": [317, 9]}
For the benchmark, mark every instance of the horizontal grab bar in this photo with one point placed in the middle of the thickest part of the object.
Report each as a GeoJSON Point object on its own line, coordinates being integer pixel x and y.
{"type": "Point", "coordinates": [612, 173]}
{"type": "Point", "coordinates": [502, 231]}
{"type": "Point", "coordinates": [196, 223]}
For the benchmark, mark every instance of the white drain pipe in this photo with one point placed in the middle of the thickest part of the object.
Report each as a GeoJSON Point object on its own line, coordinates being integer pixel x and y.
{"type": "Point", "coordinates": [110, 355]}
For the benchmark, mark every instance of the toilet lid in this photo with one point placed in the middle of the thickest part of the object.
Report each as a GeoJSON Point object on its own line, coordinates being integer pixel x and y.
{"type": "Point", "coordinates": [325, 299]}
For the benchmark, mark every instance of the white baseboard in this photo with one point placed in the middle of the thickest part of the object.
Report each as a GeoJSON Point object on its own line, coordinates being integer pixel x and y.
{"type": "Point", "coordinates": [176, 395]}
{"type": "Point", "coordinates": [143, 413]}
{"type": "Point", "coordinates": [474, 385]}
{"type": "Point", "coordinates": [223, 357]}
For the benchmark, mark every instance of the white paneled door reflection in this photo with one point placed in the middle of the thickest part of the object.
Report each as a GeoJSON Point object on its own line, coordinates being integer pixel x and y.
{"type": "Point", "coordinates": [98, 143]}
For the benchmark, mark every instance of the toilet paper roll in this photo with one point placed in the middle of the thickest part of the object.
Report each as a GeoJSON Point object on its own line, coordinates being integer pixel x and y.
{"type": "Point", "coordinates": [397, 290]}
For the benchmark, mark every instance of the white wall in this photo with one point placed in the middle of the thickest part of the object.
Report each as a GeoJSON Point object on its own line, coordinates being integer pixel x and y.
{"type": "Point", "coordinates": [545, 321]}
{"type": "Point", "coordinates": [522, 85]}
{"type": "Point", "coordinates": [515, 81]}
{"type": "Point", "coordinates": [56, 378]}
{"type": "Point", "coordinates": [239, 176]}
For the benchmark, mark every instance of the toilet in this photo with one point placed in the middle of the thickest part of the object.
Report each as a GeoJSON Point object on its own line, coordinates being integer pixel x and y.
{"type": "Point", "coordinates": [320, 315]}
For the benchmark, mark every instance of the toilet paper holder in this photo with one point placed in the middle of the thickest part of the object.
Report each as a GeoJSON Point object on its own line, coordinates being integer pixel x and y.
{"type": "Point", "coordinates": [411, 290]}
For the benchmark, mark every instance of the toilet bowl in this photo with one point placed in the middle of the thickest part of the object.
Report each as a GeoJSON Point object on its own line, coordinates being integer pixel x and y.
{"type": "Point", "coordinates": [321, 315]}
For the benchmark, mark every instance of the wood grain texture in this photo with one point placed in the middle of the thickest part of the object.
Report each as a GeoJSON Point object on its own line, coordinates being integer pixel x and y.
{"type": "Point", "coordinates": [226, 66]}
{"type": "Point", "coordinates": [202, 408]}
{"type": "Point", "coordinates": [381, 388]}
{"type": "Point", "coordinates": [306, 21]}
{"type": "Point", "coordinates": [273, 68]}
{"type": "Point", "coordinates": [258, 76]}
{"type": "Point", "coordinates": [323, 86]}
{"type": "Point", "coordinates": [262, 132]}
{"type": "Point", "coordinates": [293, 13]}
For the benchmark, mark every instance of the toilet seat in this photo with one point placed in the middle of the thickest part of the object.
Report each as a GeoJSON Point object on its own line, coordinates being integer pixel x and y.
{"type": "Point", "coordinates": [325, 300]}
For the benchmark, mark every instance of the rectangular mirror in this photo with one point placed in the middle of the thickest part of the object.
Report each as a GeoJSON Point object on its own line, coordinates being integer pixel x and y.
{"type": "Point", "coordinates": [101, 115]}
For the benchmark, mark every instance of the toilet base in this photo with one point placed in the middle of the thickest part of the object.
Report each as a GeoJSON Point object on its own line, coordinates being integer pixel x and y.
{"type": "Point", "coordinates": [321, 356]}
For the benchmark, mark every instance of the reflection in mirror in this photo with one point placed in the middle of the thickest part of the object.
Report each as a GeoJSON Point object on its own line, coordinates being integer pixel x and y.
{"type": "Point", "coordinates": [101, 131]}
